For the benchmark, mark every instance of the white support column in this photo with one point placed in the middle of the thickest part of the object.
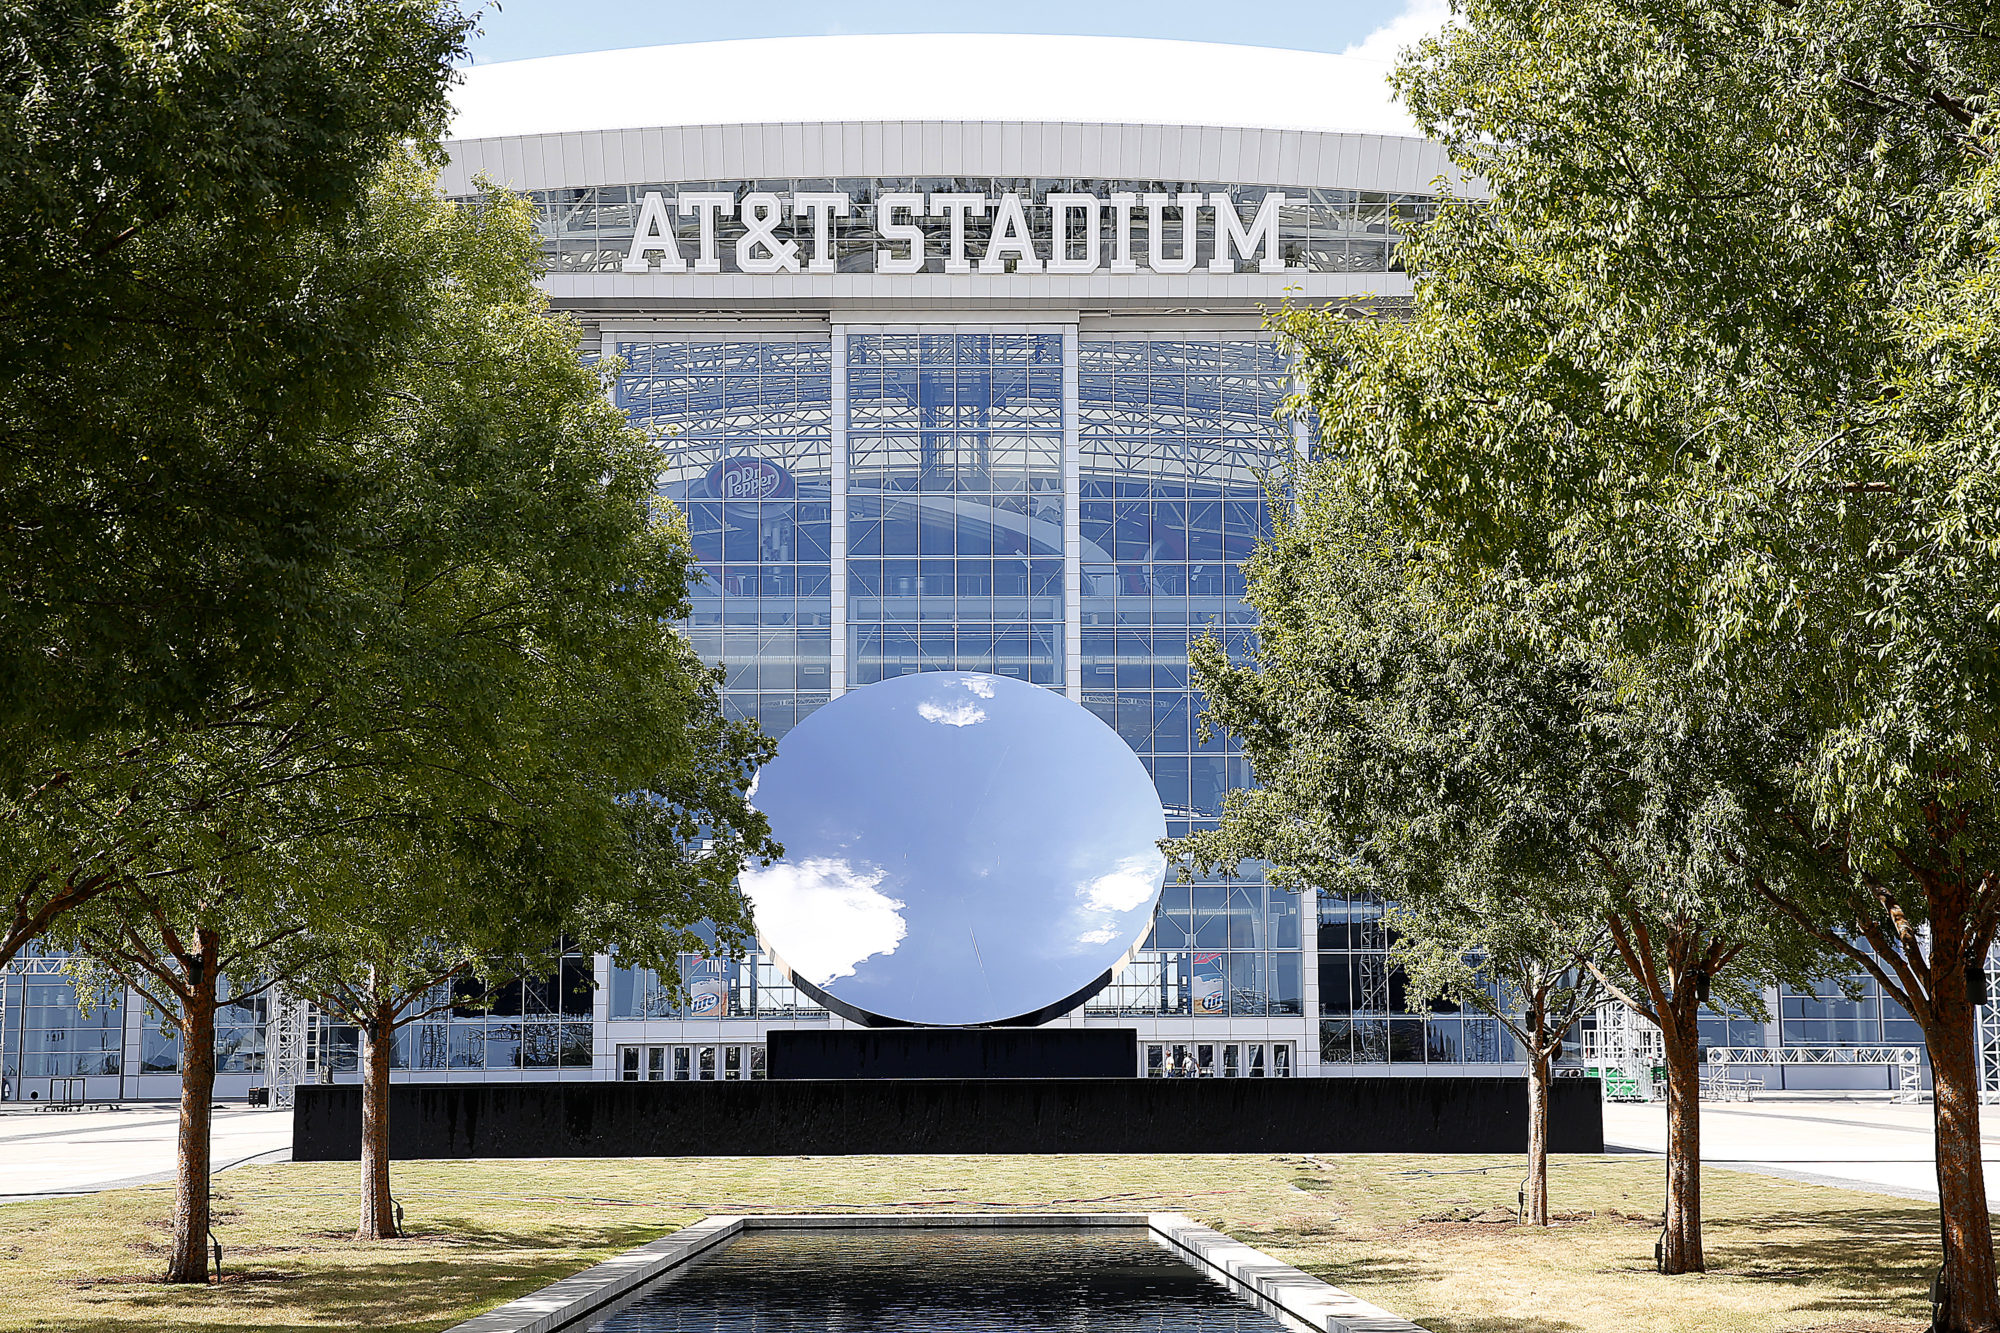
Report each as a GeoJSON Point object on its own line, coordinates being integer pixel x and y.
{"type": "Point", "coordinates": [837, 542]}
{"type": "Point", "coordinates": [1308, 1056]}
{"type": "Point", "coordinates": [1072, 474]}
{"type": "Point", "coordinates": [603, 1053]}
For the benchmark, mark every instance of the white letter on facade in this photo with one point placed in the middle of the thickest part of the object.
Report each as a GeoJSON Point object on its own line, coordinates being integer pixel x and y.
{"type": "Point", "coordinates": [1010, 233]}
{"type": "Point", "coordinates": [955, 207]}
{"type": "Point", "coordinates": [1059, 210]}
{"type": "Point", "coordinates": [706, 205]}
{"type": "Point", "coordinates": [886, 226]}
{"type": "Point", "coordinates": [1121, 233]}
{"type": "Point", "coordinates": [1229, 234]}
{"type": "Point", "coordinates": [1156, 232]}
{"type": "Point", "coordinates": [654, 234]}
{"type": "Point", "coordinates": [761, 214]}
{"type": "Point", "coordinates": [821, 206]}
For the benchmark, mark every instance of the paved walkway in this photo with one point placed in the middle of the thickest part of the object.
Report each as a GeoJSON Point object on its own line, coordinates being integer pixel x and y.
{"type": "Point", "coordinates": [76, 1152]}
{"type": "Point", "coordinates": [1857, 1140]}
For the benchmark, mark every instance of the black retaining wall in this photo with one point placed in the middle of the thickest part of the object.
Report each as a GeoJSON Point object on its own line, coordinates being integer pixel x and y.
{"type": "Point", "coordinates": [953, 1053]}
{"type": "Point", "coordinates": [754, 1119]}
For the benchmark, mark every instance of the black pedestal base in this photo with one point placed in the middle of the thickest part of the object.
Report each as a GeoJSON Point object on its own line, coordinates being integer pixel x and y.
{"type": "Point", "coordinates": [831, 1117]}
{"type": "Point", "coordinates": [953, 1053]}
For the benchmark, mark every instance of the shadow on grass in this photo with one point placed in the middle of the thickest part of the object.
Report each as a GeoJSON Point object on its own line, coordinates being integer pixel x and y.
{"type": "Point", "coordinates": [1875, 1250]}
{"type": "Point", "coordinates": [364, 1286]}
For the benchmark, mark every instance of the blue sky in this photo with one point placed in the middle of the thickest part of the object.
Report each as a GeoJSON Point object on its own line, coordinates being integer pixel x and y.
{"type": "Point", "coordinates": [520, 29]}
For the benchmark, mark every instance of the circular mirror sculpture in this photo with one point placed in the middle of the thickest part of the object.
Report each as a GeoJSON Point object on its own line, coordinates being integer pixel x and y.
{"type": "Point", "coordinates": [960, 850]}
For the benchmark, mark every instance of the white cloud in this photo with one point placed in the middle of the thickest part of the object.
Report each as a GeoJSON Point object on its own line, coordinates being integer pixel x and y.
{"type": "Point", "coordinates": [1106, 902]}
{"type": "Point", "coordinates": [824, 916]}
{"type": "Point", "coordinates": [958, 713]}
{"type": "Point", "coordinates": [1132, 884]}
{"type": "Point", "coordinates": [1417, 20]}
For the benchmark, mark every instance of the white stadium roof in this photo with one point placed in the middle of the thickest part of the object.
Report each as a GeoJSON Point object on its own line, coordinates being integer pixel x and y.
{"type": "Point", "coordinates": [955, 77]}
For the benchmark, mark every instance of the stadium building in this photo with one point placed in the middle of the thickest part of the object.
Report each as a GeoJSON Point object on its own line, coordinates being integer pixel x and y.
{"type": "Point", "coordinates": [955, 351]}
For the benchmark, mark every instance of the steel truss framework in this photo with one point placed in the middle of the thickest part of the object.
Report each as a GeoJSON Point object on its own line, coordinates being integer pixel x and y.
{"type": "Point", "coordinates": [1989, 1033]}
{"type": "Point", "coordinates": [1908, 1061]}
{"type": "Point", "coordinates": [1625, 1049]}
{"type": "Point", "coordinates": [286, 1044]}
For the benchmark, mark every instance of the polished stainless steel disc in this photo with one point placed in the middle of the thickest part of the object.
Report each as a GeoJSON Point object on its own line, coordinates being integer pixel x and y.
{"type": "Point", "coordinates": [959, 849]}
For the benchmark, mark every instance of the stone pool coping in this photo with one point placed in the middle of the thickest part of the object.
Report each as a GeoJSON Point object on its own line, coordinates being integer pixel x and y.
{"type": "Point", "coordinates": [1276, 1285]}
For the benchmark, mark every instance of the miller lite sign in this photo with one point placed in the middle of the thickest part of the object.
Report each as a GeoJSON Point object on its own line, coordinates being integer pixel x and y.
{"type": "Point", "coordinates": [1211, 988]}
{"type": "Point", "coordinates": [748, 479]}
{"type": "Point", "coordinates": [708, 990]}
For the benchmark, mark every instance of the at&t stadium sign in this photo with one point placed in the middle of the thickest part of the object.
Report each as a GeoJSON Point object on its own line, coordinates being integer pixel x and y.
{"type": "Point", "coordinates": [683, 232]}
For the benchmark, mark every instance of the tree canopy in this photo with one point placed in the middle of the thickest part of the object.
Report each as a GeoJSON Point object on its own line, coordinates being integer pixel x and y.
{"type": "Point", "coordinates": [194, 322]}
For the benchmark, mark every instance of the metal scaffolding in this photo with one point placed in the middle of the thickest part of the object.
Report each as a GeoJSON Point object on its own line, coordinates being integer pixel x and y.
{"type": "Point", "coordinates": [1988, 1018]}
{"type": "Point", "coordinates": [288, 1044]}
{"type": "Point", "coordinates": [1627, 1053]}
{"type": "Point", "coordinates": [1907, 1061]}
{"type": "Point", "coordinates": [1371, 1009]}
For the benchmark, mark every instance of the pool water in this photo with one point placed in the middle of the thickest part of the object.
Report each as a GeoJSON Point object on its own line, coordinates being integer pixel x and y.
{"type": "Point", "coordinates": [956, 1280]}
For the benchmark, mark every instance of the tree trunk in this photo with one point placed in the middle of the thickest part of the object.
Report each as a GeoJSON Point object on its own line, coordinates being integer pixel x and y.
{"type": "Point", "coordinates": [189, 1260]}
{"type": "Point", "coordinates": [1680, 1244]}
{"type": "Point", "coordinates": [378, 1210]}
{"type": "Point", "coordinates": [1535, 1202]}
{"type": "Point", "coordinates": [1968, 1300]}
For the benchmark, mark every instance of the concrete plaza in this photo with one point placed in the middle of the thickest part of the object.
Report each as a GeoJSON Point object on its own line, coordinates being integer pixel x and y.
{"type": "Point", "coordinates": [45, 1153]}
{"type": "Point", "coordinates": [1859, 1140]}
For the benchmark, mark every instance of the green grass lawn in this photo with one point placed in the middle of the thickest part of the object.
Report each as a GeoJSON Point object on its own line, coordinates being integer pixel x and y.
{"type": "Point", "coordinates": [1425, 1237]}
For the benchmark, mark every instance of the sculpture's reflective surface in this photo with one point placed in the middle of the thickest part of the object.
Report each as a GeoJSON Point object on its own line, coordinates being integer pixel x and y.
{"type": "Point", "coordinates": [959, 848]}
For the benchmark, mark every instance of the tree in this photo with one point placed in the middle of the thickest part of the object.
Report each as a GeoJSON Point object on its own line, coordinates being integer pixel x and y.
{"type": "Point", "coordinates": [511, 702]}
{"type": "Point", "coordinates": [1479, 949]}
{"type": "Point", "coordinates": [1436, 744]}
{"type": "Point", "coordinates": [594, 791]}
{"type": "Point", "coordinates": [573, 855]}
{"type": "Point", "coordinates": [190, 946]}
{"type": "Point", "coordinates": [193, 318]}
{"type": "Point", "coordinates": [1715, 359]}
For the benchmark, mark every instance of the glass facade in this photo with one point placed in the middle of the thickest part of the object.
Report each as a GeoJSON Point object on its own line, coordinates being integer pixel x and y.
{"type": "Point", "coordinates": [720, 408]}
{"type": "Point", "coordinates": [1218, 947]}
{"type": "Point", "coordinates": [1825, 1016]}
{"type": "Point", "coordinates": [1365, 1015]}
{"type": "Point", "coordinates": [718, 988]}
{"type": "Point", "coordinates": [47, 1035]}
{"type": "Point", "coordinates": [955, 504]}
{"type": "Point", "coordinates": [956, 526]}
{"type": "Point", "coordinates": [1176, 441]}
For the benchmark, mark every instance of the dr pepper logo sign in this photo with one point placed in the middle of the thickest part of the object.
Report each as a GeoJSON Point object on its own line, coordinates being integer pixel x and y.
{"type": "Point", "coordinates": [748, 479]}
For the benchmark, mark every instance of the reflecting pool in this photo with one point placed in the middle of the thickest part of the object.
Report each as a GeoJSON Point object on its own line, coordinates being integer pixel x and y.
{"type": "Point", "coordinates": [976, 1280]}
{"type": "Point", "coordinates": [960, 849]}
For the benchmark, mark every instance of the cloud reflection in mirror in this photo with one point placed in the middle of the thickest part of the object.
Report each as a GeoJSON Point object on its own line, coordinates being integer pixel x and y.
{"type": "Point", "coordinates": [851, 919]}
{"type": "Point", "coordinates": [960, 849]}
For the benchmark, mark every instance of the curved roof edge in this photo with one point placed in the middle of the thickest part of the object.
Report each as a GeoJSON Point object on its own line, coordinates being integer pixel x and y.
{"type": "Point", "coordinates": [941, 77]}
{"type": "Point", "coordinates": [1104, 151]}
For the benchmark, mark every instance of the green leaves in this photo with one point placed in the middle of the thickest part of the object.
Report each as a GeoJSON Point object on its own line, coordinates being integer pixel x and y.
{"type": "Point", "coordinates": [1711, 369]}
{"type": "Point", "coordinates": [193, 321]}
